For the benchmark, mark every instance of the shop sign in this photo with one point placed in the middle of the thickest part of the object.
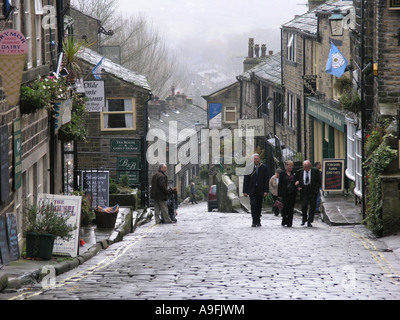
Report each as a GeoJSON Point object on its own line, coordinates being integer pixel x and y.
{"type": "Point", "coordinates": [125, 145]}
{"type": "Point", "coordinates": [96, 95]}
{"type": "Point", "coordinates": [130, 167]}
{"type": "Point", "coordinates": [4, 164]}
{"type": "Point", "coordinates": [333, 175]}
{"type": "Point", "coordinates": [71, 205]}
{"type": "Point", "coordinates": [257, 125]}
{"type": "Point", "coordinates": [97, 184]}
{"type": "Point", "coordinates": [215, 115]}
{"type": "Point", "coordinates": [310, 85]}
{"type": "Point", "coordinates": [326, 115]}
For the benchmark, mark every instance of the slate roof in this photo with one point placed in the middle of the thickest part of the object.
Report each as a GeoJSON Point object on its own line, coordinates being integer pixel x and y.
{"type": "Point", "coordinates": [186, 118]}
{"type": "Point", "coordinates": [114, 69]}
{"type": "Point", "coordinates": [270, 70]}
{"type": "Point", "coordinates": [308, 23]}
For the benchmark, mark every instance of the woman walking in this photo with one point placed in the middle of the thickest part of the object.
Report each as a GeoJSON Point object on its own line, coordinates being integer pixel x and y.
{"type": "Point", "coordinates": [273, 188]}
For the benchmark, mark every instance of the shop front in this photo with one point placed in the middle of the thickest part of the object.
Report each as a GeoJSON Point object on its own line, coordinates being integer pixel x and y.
{"type": "Point", "coordinates": [328, 131]}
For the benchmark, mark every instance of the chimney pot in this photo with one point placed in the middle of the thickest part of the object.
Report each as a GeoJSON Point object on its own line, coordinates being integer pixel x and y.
{"type": "Point", "coordinates": [251, 48]}
{"type": "Point", "coordinates": [263, 50]}
{"type": "Point", "coordinates": [257, 50]}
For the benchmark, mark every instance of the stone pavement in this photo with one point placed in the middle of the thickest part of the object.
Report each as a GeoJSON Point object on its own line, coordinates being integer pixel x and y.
{"type": "Point", "coordinates": [213, 255]}
{"type": "Point", "coordinates": [152, 267]}
{"type": "Point", "coordinates": [24, 272]}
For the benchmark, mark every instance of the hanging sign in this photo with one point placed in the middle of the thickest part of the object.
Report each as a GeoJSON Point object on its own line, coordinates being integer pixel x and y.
{"type": "Point", "coordinates": [13, 53]}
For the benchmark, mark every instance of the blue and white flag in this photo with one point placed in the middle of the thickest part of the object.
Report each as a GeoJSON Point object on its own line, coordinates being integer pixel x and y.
{"type": "Point", "coordinates": [337, 63]}
{"type": "Point", "coordinates": [97, 70]}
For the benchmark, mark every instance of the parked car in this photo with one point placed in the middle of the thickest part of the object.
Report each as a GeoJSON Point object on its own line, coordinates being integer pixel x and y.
{"type": "Point", "coordinates": [212, 198]}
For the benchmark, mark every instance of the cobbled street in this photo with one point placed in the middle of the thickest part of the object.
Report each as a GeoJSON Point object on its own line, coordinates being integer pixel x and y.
{"type": "Point", "coordinates": [213, 255]}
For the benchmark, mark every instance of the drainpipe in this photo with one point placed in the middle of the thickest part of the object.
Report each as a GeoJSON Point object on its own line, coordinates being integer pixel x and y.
{"type": "Point", "coordinates": [362, 54]}
{"type": "Point", "coordinates": [145, 184]}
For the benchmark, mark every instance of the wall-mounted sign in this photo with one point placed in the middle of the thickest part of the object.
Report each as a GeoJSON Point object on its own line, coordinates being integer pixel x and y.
{"type": "Point", "coordinates": [125, 145]}
{"type": "Point", "coordinates": [130, 167]}
{"type": "Point", "coordinates": [215, 115]}
{"type": "Point", "coordinates": [13, 53]}
{"type": "Point", "coordinates": [310, 85]}
{"type": "Point", "coordinates": [333, 175]}
{"type": "Point", "coordinates": [257, 125]}
{"type": "Point", "coordinates": [4, 164]}
{"type": "Point", "coordinates": [96, 94]}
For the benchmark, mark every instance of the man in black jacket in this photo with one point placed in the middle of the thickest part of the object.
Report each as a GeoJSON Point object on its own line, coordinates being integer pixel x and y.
{"type": "Point", "coordinates": [159, 192]}
{"type": "Point", "coordinates": [308, 181]}
{"type": "Point", "coordinates": [256, 185]}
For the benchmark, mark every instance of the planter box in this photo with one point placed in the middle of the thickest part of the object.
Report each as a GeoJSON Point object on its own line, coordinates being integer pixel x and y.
{"type": "Point", "coordinates": [124, 200]}
{"type": "Point", "coordinates": [39, 245]}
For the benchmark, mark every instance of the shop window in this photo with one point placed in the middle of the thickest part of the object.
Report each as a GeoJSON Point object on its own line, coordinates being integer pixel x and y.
{"type": "Point", "coordinates": [119, 114]}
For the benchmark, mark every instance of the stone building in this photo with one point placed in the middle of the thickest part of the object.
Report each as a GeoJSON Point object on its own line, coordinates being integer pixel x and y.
{"type": "Point", "coordinates": [178, 122]}
{"type": "Point", "coordinates": [117, 126]}
{"type": "Point", "coordinates": [36, 168]}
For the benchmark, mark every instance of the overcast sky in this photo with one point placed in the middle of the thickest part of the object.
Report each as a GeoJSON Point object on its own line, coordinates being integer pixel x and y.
{"type": "Point", "coordinates": [210, 19]}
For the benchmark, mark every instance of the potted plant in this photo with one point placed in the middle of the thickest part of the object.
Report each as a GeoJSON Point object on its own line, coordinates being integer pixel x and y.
{"type": "Point", "coordinates": [43, 226]}
{"type": "Point", "coordinates": [71, 48]}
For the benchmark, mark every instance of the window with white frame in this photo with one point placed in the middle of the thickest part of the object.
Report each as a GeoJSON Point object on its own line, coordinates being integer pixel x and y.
{"type": "Point", "coordinates": [119, 114]}
{"type": "Point", "coordinates": [28, 30]}
{"type": "Point", "coordinates": [351, 162]}
{"type": "Point", "coordinates": [291, 110]}
{"type": "Point", "coordinates": [38, 29]}
{"type": "Point", "coordinates": [291, 46]}
{"type": "Point", "coordinates": [230, 114]}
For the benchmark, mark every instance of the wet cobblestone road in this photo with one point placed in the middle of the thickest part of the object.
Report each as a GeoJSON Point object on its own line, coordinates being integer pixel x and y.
{"type": "Point", "coordinates": [212, 255]}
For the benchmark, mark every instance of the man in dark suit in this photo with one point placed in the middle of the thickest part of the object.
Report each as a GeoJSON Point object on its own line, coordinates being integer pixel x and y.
{"type": "Point", "coordinates": [256, 185]}
{"type": "Point", "coordinates": [308, 181]}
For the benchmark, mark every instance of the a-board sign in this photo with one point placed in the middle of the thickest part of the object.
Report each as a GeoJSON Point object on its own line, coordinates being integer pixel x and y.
{"type": "Point", "coordinates": [72, 205]}
{"type": "Point", "coordinates": [12, 235]}
{"type": "Point", "coordinates": [4, 251]}
{"type": "Point", "coordinates": [333, 175]}
{"type": "Point", "coordinates": [97, 184]}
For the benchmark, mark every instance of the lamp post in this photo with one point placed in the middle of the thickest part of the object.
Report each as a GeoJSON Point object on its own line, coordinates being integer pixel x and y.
{"type": "Point", "coordinates": [336, 22]}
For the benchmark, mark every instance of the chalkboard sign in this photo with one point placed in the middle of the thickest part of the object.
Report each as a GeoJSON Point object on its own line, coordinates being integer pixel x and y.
{"type": "Point", "coordinates": [333, 175]}
{"type": "Point", "coordinates": [4, 165]}
{"type": "Point", "coordinates": [96, 183]}
{"type": "Point", "coordinates": [12, 233]}
{"type": "Point", "coordinates": [4, 252]}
